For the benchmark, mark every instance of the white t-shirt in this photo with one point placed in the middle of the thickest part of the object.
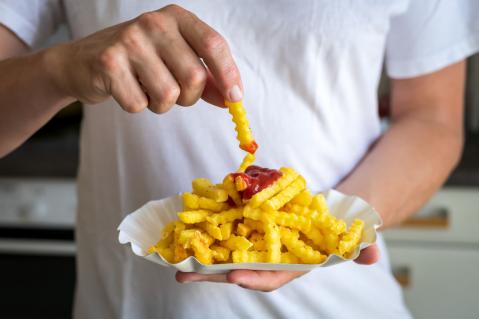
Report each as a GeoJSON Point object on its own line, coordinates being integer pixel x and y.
{"type": "Point", "coordinates": [310, 70]}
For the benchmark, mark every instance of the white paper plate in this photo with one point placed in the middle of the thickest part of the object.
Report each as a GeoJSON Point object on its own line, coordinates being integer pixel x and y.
{"type": "Point", "coordinates": [143, 227]}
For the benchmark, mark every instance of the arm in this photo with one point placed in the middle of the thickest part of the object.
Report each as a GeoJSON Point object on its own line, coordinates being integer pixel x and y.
{"type": "Point", "coordinates": [415, 156]}
{"type": "Point", "coordinates": [156, 60]}
{"type": "Point", "coordinates": [401, 171]}
{"type": "Point", "coordinates": [27, 98]}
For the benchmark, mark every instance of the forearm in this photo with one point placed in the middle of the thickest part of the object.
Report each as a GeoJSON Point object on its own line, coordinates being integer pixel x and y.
{"type": "Point", "coordinates": [406, 166]}
{"type": "Point", "coordinates": [28, 99]}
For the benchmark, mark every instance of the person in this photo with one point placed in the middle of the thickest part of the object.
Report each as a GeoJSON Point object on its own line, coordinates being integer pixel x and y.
{"type": "Point", "coordinates": [308, 75]}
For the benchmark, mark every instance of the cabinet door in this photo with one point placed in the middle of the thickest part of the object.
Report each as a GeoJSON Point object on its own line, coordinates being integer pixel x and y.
{"type": "Point", "coordinates": [438, 282]}
{"type": "Point", "coordinates": [452, 215]}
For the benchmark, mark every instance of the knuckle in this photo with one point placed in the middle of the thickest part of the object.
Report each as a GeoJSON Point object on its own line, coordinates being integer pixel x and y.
{"type": "Point", "coordinates": [132, 38]}
{"type": "Point", "coordinates": [147, 18]}
{"type": "Point", "coordinates": [170, 94]}
{"type": "Point", "coordinates": [109, 59]}
{"type": "Point", "coordinates": [196, 77]}
{"type": "Point", "coordinates": [214, 42]}
{"type": "Point", "coordinates": [174, 9]}
{"type": "Point", "coordinates": [166, 99]}
{"type": "Point", "coordinates": [153, 21]}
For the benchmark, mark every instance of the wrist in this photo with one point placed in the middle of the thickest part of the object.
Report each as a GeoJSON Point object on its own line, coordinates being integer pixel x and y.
{"type": "Point", "coordinates": [52, 65]}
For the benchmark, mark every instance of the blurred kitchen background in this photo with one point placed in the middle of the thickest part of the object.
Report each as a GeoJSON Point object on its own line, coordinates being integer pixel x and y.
{"type": "Point", "coordinates": [435, 255]}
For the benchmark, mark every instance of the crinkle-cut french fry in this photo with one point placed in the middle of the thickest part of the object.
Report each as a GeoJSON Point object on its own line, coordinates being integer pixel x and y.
{"type": "Point", "coordinates": [168, 230]}
{"type": "Point", "coordinates": [252, 213]}
{"type": "Point", "coordinates": [236, 243]}
{"type": "Point", "coordinates": [186, 236]}
{"type": "Point", "coordinates": [298, 209]}
{"type": "Point", "coordinates": [163, 243]}
{"type": "Point", "coordinates": [194, 202]}
{"type": "Point", "coordinates": [281, 218]}
{"type": "Point", "coordinates": [179, 227]}
{"type": "Point", "coordinates": [152, 249]}
{"type": "Point", "coordinates": [351, 238]}
{"type": "Point", "coordinates": [319, 203]}
{"type": "Point", "coordinates": [309, 242]}
{"type": "Point", "coordinates": [190, 201]}
{"type": "Point", "coordinates": [229, 186]}
{"type": "Point", "coordinates": [240, 183]}
{"type": "Point", "coordinates": [194, 216]}
{"type": "Point", "coordinates": [328, 222]}
{"type": "Point", "coordinates": [258, 241]}
{"type": "Point", "coordinates": [291, 220]}
{"type": "Point", "coordinates": [245, 256]}
{"type": "Point", "coordinates": [209, 204]}
{"type": "Point", "coordinates": [220, 254]}
{"type": "Point", "coordinates": [247, 161]}
{"type": "Point", "coordinates": [284, 196]}
{"type": "Point", "coordinates": [315, 236]}
{"type": "Point", "coordinates": [254, 225]}
{"type": "Point", "coordinates": [167, 253]}
{"type": "Point", "coordinates": [339, 227]}
{"type": "Point", "coordinates": [296, 246]}
{"type": "Point", "coordinates": [242, 128]}
{"type": "Point", "coordinates": [331, 243]}
{"type": "Point", "coordinates": [243, 230]}
{"type": "Point", "coordinates": [304, 198]}
{"type": "Point", "coordinates": [289, 175]}
{"type": "Point", "coordinates": [225, 216]}
{"type": "Point", "coordinates": [226, 230]}
{"type": "Point", "coordinates": [212, 230]}
{"type": "Point", "coordinates": [202, 252]}
{"type": "Point", "coordinates": [289, 258]}
{"type": "Point", "coordinates": [179, 252]}
{"type": "Point", "coordinates": [204, 187]}
{"type": "Point", "coordinates": [272, 239]}
{"type": "Point", "coordinates": [163, 246]}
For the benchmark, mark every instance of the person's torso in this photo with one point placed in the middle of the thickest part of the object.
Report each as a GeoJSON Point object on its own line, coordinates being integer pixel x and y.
{"type": "Point", "coordinates": [310, 71]}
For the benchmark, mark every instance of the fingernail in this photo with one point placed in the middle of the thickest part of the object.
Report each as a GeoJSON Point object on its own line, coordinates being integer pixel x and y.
{"type": "Point", "coordinates": [186, 281]}
{"type": "Point", "coordinates": [235, 94]}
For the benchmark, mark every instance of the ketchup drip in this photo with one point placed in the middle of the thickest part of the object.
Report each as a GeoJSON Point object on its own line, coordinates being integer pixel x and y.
{"type": "Point", "coordinates": [257, 178]}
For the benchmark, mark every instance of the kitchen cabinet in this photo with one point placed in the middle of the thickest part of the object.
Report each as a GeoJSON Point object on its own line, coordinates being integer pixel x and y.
{"type": "Point", "coordinates": [435, 256]}
{"type": "Point", "coordinates": [37, 248]}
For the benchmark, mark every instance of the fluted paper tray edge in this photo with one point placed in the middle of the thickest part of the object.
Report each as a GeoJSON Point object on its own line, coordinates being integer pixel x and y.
{"type": "Point", "coordinates": [142, 228]}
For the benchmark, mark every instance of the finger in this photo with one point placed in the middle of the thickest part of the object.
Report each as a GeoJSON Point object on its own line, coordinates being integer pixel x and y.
{"type": "Point", "coordinates": [211, 94]}
{"type": "Point", "coordinates": [185, 66]}
{"type": "Point", "coordinates": [159, 84]}
{"type": "Point", "coordinates": [120, 81]}
{"type": "Point", "coordinates": [214, 50]}
{"type": "Point", "coordinates": [368, 255]}
{"type": "Point", "coordinates": [262, 280]}
{"type": "Point", "coordinates": [186, 277]}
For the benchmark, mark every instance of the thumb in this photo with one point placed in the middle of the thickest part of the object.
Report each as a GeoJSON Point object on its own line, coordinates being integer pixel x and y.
{"type": "Point", "coordinates": [213, 95]}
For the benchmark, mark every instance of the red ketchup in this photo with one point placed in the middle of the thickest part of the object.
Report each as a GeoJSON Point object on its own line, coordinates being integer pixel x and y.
{"type": "Point", "coordinates": [257, 178]}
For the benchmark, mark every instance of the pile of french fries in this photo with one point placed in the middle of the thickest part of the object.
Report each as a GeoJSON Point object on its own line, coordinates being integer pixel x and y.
{"type": "Point", "coordinates": [281, 223]}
